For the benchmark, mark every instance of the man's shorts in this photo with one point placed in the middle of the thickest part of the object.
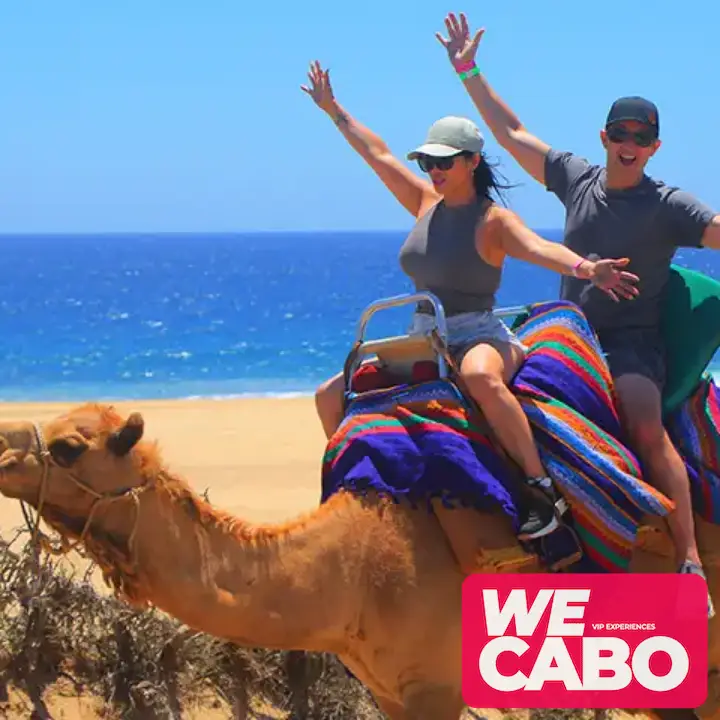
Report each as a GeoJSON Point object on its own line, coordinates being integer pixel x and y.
{"type": "Point", "coordinates": [635, 351]}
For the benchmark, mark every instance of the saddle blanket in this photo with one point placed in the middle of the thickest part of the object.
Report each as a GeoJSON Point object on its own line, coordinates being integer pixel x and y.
{"type": "Point", "coordinates": [421, 442]}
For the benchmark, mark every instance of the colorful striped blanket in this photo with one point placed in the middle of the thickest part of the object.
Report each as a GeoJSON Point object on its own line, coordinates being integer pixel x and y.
{"type": "Point", "coordinates": [422, 441]}
{"type": "Point", "coordinates": [695, 429]}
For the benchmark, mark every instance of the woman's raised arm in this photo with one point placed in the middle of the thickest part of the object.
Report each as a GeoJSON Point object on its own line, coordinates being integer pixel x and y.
{"type": "Point", "coordinates": [414, 193]}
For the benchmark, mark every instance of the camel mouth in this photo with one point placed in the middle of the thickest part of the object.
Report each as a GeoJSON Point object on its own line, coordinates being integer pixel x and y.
{"type": "Point", "coordinates": [12, 490]}
{"type": "Point", "coordinates": [14, 484]}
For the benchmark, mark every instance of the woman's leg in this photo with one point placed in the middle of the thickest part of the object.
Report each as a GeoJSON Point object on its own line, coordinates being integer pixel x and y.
{"type": "Point", "coordinates": [329, 404]}
{"type": "Point", "coordinates": [486, 369]}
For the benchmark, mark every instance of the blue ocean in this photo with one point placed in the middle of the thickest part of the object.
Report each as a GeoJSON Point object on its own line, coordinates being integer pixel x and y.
{"type": "Point", "coordinates": [191, 315]}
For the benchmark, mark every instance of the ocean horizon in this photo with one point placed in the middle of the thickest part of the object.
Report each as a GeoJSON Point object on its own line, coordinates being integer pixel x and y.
{"type": "Point", "coordinates": [123, 316]}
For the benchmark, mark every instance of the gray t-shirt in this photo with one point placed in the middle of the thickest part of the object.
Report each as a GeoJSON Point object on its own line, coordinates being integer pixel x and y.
{"type": "Point", "coordinates": [645, 223]}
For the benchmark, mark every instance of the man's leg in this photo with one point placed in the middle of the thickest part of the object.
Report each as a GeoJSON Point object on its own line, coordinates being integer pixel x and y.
{"type": "Point", "coordinates": [637, 364]}
{"type": "Point", "coordinates": [640, 409]}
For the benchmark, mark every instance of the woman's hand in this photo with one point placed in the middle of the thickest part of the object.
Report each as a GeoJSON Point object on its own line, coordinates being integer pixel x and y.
{"type": "Point", "coordinates": [606, 275]}
{"type": "Point", "coordinates": [461, 48]}
{"type": "Point", "coordinates": [320, 89]}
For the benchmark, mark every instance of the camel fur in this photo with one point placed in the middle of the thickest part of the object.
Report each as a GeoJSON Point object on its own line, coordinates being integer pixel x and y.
{"type": "Point", "coordinates": [375, 582]}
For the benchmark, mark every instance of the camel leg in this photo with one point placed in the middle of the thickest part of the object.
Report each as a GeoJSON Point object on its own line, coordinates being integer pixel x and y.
{"type": "Point", "coordinates": [391, 708]}
{"type": "Point", "coordinates": [432, 702]}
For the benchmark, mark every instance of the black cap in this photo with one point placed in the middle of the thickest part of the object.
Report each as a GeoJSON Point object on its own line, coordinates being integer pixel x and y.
{"type": "Point", "coordinates": [634, 108]}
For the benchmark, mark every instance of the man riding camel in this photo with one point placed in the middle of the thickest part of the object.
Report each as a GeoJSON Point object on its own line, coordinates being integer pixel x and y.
{"type": "Point", "coordinates": [614, 210]}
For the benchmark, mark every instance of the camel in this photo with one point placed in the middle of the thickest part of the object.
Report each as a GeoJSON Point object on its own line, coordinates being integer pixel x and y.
{"type": "Point", "coordinates": [375, 582]}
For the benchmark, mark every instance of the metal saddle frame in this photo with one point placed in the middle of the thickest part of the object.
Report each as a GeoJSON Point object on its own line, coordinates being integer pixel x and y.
{"type": "Point", "coordinates": [399, 354]}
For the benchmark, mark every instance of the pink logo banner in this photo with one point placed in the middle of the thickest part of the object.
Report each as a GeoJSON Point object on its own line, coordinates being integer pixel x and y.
{"type": "Point", "coordinates": [585, 641]}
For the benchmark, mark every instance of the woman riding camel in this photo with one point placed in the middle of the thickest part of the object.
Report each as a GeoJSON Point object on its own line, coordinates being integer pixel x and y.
{"type": "Point", "coordinates": [456, 250]}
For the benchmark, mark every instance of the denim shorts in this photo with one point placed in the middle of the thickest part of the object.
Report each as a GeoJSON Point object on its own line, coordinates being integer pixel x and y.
{"type": "Point", "coordinates": [466, 330]}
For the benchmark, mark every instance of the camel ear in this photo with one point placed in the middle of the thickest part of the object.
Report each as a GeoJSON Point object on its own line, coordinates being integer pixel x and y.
{"type": "Point", "coordinates": [122, 441]}
{"type": "Point", "coordinates": [66, 450]}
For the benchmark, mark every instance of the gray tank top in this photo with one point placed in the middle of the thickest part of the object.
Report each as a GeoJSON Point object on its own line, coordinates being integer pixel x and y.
{"type": "Point", "coordinates": [440, 256]}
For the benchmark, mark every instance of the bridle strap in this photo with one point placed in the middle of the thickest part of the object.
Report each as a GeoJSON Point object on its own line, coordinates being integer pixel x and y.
{"type": "Point", "coordinates": [39, 539]}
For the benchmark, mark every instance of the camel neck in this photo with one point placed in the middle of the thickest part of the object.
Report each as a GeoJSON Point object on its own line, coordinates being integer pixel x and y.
{"type": "Point", "coordinates": [279, 587]}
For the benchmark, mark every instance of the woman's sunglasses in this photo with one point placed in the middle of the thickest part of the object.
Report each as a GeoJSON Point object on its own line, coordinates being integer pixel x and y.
{"type": "Point", "coordinates": [428, 163]}
{"type": "Point", "coordinates": [643, 138]}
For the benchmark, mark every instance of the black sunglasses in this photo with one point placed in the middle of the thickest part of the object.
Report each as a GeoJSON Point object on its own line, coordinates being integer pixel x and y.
{"type": "Point", "coordinates": [428, 162]}
{"type": "Point", "coordinates": [643, 138]}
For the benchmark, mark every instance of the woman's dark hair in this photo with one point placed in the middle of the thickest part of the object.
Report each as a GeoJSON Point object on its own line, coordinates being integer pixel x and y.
{"type": "Point", "coordinates": [485, 180]}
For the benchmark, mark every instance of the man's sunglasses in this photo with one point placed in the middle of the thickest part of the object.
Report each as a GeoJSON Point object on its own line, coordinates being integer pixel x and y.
{"type": "Point", "coordinates": [428, 163]}
{"type": "Point", "coordinates": [643, 138]}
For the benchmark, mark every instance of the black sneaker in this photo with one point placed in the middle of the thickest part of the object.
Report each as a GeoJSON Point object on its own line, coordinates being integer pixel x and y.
{"type": "Point", "coordinates": [545, 506]}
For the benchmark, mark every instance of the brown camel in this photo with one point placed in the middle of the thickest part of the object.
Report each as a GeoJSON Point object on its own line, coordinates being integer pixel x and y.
{"type": "Point", "coordinates": [376, 583]}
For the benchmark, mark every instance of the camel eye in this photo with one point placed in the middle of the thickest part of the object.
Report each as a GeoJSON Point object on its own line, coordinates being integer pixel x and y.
{"type": "Point", "coordinates": [66, 450]}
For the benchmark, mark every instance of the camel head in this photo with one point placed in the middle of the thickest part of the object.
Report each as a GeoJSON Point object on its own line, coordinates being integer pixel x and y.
{"type": "Point", "coordinates": [86, 473]}
{"type": "Point", "coordinates": [80, 473]}
{"type": "Point", "coordinates": [69, 462]}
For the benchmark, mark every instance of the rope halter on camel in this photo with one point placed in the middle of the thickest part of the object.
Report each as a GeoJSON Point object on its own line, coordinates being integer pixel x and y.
{"type": "Point", "coordinates": [39, 540]}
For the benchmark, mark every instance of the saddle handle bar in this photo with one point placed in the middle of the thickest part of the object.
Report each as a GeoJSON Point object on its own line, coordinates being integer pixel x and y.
{"type": "Point", "coordinates": [398, 301]}
{"type": "Point", "coordinates": [440, 318]}
{"type": "Point", "coordinates": [440, 330]}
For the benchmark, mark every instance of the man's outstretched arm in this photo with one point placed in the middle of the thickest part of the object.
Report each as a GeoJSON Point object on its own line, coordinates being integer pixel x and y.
{"type": "Point", "coordinates": [528, 150]}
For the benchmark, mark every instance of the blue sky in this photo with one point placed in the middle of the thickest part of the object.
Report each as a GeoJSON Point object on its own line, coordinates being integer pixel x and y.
{"type": "Point", "coordinates": [187, 116]}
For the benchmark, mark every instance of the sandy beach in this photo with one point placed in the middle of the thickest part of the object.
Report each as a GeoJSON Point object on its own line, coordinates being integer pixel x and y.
{"type": "Point", "coordinates": [258, 458]}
